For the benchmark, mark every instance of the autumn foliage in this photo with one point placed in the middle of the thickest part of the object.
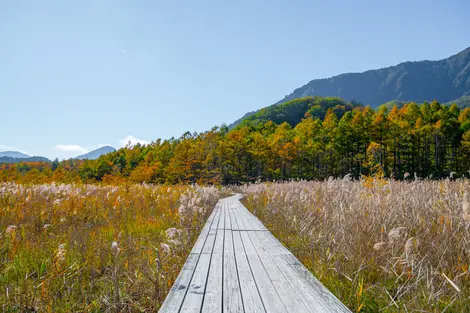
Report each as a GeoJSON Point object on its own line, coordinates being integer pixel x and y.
{"type": "Point", "coordinates": [428, 140]}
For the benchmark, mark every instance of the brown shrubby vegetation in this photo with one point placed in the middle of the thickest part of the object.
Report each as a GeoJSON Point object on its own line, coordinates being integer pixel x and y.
{"type": "Point", "coordinates": [89, 248]}
{"type": "Point", "coordinates": [379, 245]}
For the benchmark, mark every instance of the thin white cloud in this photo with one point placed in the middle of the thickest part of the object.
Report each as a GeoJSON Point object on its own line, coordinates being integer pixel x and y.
{"type": "Point", "coordinates": [72, 148]}
{"type": "Point", "coordinates": [9, 148]}
{"type": "Point", "coordinates": [133, 141]}
{"type": "Point", "coordinates": [123, 51]}
{"type": "Point", "coordinates": [72, 151]}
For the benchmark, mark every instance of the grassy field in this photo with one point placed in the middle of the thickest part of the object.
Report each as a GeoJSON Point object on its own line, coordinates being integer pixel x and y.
{"type": "Point", "coordinates": [379, 245]}
{"type": "Point", "coordinates": [87, 248]}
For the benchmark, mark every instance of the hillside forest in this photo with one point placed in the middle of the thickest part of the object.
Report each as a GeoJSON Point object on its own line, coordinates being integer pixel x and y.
{"type": "Point", "coordinates": [308, 138]}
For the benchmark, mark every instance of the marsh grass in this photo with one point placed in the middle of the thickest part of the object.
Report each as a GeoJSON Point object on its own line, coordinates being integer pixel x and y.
{"type": "Point", "coordinates": [88, 248]}
{"type": "Point", "coordinates": [378, 245]}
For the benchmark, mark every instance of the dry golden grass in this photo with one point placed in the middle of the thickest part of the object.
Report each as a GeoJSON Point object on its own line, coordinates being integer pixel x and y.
{"type": "Point", "coordinates": [379, 245]}
{"type": "Point", "coordinates": [87, 248]}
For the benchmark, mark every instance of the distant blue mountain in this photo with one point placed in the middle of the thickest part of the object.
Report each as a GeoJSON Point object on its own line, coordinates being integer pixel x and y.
{"type": "Point", "coordinates": [7, 159]}
{"type": "Point", "coordinates": [13, 154]}
{"type": "Point", "coordinates": [95, 154]}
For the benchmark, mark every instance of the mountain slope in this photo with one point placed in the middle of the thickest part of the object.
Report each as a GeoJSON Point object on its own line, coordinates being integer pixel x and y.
{"type": "Point", "coordinates": [241, 119]}
{"type": "Point", "coordinates": [7, 159]}
{"type": "Point", "coordinates": [443, 80]}
{"type": "Point", "coordinates": [92, 155]}
{"type": "Point", "coordinates": [295, 110]}
{"type": "Point", "coordinates": [18, 157]}
{"type": "Point", "coordinates": [462, 102]}
{"type": "Point", "coordinates": [13, 154]}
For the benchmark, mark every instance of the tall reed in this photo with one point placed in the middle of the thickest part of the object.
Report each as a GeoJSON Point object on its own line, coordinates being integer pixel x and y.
{"type": "Point", "coordinates": [379, 245]}
{"type": "Point", "coordinates": [88, 248]}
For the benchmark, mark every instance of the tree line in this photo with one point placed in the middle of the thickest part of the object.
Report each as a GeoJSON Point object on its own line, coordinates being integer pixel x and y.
{"type": "Point", "coordinates": [428, 140]}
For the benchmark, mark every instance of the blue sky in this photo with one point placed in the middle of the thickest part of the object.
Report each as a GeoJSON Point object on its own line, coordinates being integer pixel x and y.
{"type": "Point", "coordinates": [75, 75]}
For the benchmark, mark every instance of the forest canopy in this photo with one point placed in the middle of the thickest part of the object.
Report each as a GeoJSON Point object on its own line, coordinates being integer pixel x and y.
{"type": "Point", "coordinates": [307, 138]}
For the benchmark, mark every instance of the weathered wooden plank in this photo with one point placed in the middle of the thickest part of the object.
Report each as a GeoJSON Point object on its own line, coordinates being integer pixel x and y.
{"type": "Point", "coordinates": [237, 217]}
{"type": "Point", "coordinates": [213, 291]}
{"type": "Point", "coordinates": [233, 218]}
{"type": "Point", "coordinates": [222, 216]}
{"type": "Point", "coordinates": [177, 293]}
{"type": "Point", "coordinates": [310, 299]}
{"type": "Point", "coordinates": [251, 297]}
{"type": "Point", "coordinates": [241, 218]}
{"type": "Point", "coordinates": [216, 219]}
{"type": "Point", "coordinates": [193, 300]}
{"type": "Point", "coordinates": [251, 221]}
{"type": "Point", "coordinates": [288, 295]}
{"type": "Point", "coordinates": [309, 296]}
{"type": "Point", "coordinates": [316, 296]}
{"type": "Point", "coordinates": [274, 246]}
{"type": "Point", "coordinates": [197, 248]}
{"type": "Point", "coordinates": [255, 223]}
{"type": "Point", "coordinates": [207, 249]}
{"type": "Point", "coordinates": [232, 295]}
{"type": "Point", "coordinates": [330, 302]}
{"type": "Point", "coordinates": [228, 222]}
{"type": "Point", "coordinates": [209, 244]}
{"type": "Point", "coordinates": [267, 291]}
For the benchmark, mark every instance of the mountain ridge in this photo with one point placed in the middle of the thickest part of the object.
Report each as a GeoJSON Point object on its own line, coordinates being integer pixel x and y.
{"type": "Point", "coordinates": [19, 157]}
{"type": "Point", "coordinates": [443, 80]}
{"type": "Point", "coordinates": [7, 159]}
{"type": "Point", "coordinates": [92, 155]}
{"type": "Point", "coordinates": [13, 154]}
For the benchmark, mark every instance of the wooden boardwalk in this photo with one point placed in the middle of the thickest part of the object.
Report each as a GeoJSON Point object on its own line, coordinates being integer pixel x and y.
{"type": "Point", "coordinates": [237, 265]}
